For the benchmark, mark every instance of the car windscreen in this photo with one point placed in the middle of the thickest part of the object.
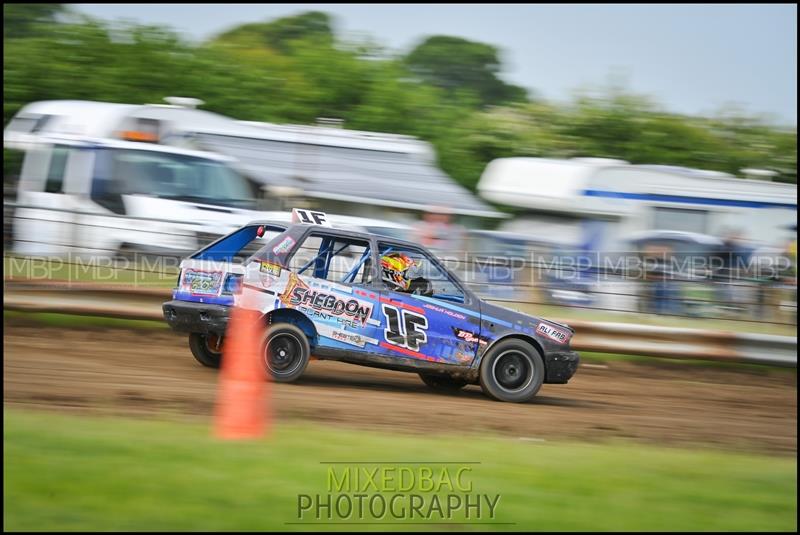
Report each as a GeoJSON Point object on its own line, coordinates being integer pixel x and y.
{"type": "Point", "coordinates": [166, 175]}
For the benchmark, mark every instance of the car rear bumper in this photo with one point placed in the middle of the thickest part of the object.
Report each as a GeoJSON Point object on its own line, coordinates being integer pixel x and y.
{"type": "Point", "coordinates": [561, 366]}
{"type": "Point", "coordinates": [185, 316]}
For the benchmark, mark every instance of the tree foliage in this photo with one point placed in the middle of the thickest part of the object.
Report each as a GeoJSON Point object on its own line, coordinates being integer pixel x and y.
{"type": "Point", "coordinates": [281, 33]}
{"type": "Point", "coordinates": [295, 69]}
{"type": "Point", "coordinates": [20, 20]}
{"type": "Point", "coordinates": [453, 63]}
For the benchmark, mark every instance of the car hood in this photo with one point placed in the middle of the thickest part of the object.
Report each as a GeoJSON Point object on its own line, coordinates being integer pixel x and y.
{"type": "Point", "coordinates": [513, 316]}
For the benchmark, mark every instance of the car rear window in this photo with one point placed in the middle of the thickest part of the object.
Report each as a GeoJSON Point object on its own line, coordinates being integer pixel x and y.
{"type": "Point", "coordinates": [240, 244]}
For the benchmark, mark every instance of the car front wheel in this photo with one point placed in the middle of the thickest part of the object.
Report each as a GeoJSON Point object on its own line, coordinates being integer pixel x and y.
{"type": "Point", "coordinates": [512, 371]}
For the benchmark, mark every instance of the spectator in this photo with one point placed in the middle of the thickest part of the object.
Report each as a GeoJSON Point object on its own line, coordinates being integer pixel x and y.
{"type": "Point", "coordinates": [439, 233]}
{"type": "Point", "coordinates": [660, 291]}
{"type": "Point", "coordinates": [734, 259]}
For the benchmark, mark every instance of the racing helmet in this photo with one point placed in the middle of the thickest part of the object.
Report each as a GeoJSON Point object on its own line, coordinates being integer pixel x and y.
{"type": "Point", "coordinates": [395, 271]}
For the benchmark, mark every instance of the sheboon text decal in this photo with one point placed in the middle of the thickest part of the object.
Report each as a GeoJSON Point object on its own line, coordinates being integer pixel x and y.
{"type": "Point", "coordinates": [554, 334]}
{"type": "Point", "coordinates": [332, 304]}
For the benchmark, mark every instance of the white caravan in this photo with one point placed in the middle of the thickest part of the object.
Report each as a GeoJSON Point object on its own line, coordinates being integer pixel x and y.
{"type": "Point", "coordinates": [599, 203]}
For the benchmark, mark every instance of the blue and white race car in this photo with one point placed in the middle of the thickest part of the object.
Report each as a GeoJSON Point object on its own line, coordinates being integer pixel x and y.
{"type": "Point", "coordinates": [366, 299]}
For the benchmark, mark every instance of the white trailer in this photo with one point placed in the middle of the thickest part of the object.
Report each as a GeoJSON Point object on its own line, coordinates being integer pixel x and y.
{"type": "Point", "coordinates": [598, 204]}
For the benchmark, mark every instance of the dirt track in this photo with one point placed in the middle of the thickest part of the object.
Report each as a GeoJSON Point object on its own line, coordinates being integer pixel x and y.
{"type": "Point", "coordinates": [151, 373]}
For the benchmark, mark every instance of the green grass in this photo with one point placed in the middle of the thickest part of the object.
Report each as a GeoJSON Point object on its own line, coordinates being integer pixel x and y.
{"type": "Point", "coordinates": [68, 472]}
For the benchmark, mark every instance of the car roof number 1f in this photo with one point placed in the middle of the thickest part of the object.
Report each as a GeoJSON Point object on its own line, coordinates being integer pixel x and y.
{"type": "Point", "coordinates": [309, 217]}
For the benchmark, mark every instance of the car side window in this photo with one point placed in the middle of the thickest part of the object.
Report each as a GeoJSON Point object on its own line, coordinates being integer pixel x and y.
{"type": "Point", "coordinates": [350, 262]}
{"type": "Point", "coordinates": [302, 259]}
{"type": "Point", "coordinates": [55, 174]}
{"type": "Point", "coordinates": [408, 270]}
{"type": "Point", "coordinates": [333, 258]}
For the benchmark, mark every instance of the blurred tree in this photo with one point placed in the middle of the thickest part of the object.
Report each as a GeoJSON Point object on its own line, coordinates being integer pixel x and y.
{"type": "Point", "coordinates": [295, 70]}
{"type": "Point", "coordinates": [280, 33]}
{"type": "Point", "coordinates": [20, 20]}
{"type": "Point", "coordinates": [455, 63]}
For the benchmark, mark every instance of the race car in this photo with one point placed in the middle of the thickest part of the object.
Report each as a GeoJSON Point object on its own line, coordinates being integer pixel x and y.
{"type": "Point", "coordinates": [365, 299]}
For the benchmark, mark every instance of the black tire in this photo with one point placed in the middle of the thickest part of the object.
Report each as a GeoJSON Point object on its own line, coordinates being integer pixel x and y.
{"type": "Point", "coordinates": [289, 339]}
{"type": "Point", "coordinates": [512, 371]}
{"type": "Point", "coordinates": [442, 383]}
{"type": "Point", "coordinates": [206, 348]}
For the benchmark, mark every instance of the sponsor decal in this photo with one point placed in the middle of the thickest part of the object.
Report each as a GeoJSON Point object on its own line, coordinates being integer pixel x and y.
{"type": "Point", "coordinates": [352, 338]}
{"type": "Point", "coordinates": [553, 333]}
{"type": "Point", "coordinates": [469, 336]}
{"type": "Point", "coordinates": [202, 282]}
{"type": "Point", "coordinates": [270, 268]}
{"type": "Point", "coordinates": [284, 246]}
{"type": "Point", "coordinates": [451, 313]}
{"type": "Point", "coordinates": [328, 303]}
{"type": "Point", "coordinates": [294, 282]}
{"type": "Point", "coordinates": [342, 321]}
{"type": "Point", "coordinates": [342, 335]}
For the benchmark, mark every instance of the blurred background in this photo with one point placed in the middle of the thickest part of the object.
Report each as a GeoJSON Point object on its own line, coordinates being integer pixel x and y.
{"type": "Point", "coordinates": [616, 164]}
{"type": "Point", "coordinates": [605, 199]}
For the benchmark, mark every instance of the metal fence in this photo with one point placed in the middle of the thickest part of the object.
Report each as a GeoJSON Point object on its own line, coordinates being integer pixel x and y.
{"type": "Point", "coordinates": [597, 283]}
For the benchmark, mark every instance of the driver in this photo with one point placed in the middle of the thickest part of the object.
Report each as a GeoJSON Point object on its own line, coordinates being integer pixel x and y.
{"type": "Point", "coordinates": [396, 274]}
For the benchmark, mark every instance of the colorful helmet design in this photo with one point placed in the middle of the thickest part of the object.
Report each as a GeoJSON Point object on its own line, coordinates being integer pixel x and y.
{"type": "Point", "coordinates": [394, 268]}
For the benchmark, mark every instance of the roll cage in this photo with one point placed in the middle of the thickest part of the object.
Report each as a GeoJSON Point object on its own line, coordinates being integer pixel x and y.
{"type": "Point", "coordinates": [321, 261]}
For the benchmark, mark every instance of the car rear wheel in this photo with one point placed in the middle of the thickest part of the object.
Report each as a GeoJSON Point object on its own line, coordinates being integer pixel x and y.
{"type": "Point", "coordinates": [512, 371]}
{"type": "Point", "coordinates": [285, 352]}
{"type": "Point", "coordinates": [206, 348]}
{"type": "Point", "coordinates": [442, 383]}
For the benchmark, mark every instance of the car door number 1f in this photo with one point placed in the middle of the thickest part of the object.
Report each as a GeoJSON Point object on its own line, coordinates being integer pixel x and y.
{"type": "Point", "coordinates": [404, 328]}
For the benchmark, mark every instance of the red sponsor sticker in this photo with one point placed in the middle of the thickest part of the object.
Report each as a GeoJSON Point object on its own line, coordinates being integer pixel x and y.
{"type": "Point", "coordinates": [559, 335]}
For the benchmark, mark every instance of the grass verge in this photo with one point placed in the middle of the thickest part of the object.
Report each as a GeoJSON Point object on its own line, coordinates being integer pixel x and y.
{"type": "Point", "coordinates": [68, 472]}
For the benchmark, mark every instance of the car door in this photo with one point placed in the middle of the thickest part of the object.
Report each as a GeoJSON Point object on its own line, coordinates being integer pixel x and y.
{"type": "Point", "coordinates": [443, 326]}
{"type": "Point", "coordinates": [334, 288]}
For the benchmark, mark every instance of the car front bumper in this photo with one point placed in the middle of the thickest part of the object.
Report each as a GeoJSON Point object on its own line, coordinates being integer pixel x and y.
{"type": "Point", "coordinates": [560, 366]}
{"type": "Point", "coordinates": [186, 316]}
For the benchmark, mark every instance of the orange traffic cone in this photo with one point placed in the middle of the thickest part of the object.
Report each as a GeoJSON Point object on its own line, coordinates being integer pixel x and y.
{"type": "Point", "coordinates": [242, 391]}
